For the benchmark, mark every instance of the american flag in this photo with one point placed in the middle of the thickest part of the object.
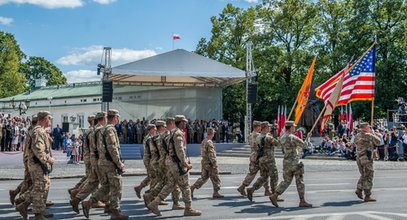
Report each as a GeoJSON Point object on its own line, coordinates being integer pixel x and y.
{"type": "Point", "coordinates": [358, 84]}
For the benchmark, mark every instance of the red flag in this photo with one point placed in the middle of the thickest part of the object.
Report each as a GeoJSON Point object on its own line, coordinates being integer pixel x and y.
{"type": "Point", "coordinates": [350, 119]}
{"type": "Point", "coordinates": [278, 120]}
{"type": "Point", "coordinates": [176, 37]}
{"type": "Point", "coordinates": [342, 115]}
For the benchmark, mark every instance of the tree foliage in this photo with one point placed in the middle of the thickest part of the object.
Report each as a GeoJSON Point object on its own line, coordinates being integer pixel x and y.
{"type": "Point", "coordinates": [287, 34]}
{"type": "Point", "coordinates": [38, 67]}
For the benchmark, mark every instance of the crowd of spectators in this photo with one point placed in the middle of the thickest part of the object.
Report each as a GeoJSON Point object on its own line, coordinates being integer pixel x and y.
{"type": "Point", "coordinates": [12, 132]}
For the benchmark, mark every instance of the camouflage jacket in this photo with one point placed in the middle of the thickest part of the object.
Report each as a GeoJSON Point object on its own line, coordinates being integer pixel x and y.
{"type": "Point", "coordinates": [253, 146]}
{"type": "Point", "coordinates": [180, 147]}
{"type": "Point", "coordinates": [163, 147]}
{"type": "Point", "coordinates": [109, 134]}
{"type": "Point", "coordinates": [147, 151]}
{"type": "Point", "coordinates": [40, 146]}
{"type": "Point", "coordinates": [208, 153]}
{"type": "Point", "coordinates": [155, 145]}
{"type": "Point", "coordinates": [27, 145]}
{"type": "Point", "coordinates": [365, 142]}
{"type": "Point", "coordinates": [86, 144]}
{"type": "Point", "coordinates": [291, 144]}
{"type": "Point", "coordinates": [270, 143]}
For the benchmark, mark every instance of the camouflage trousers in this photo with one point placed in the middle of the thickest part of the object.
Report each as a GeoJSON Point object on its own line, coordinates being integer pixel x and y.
{"type": "Point", "coordinates": [289, 171]}
{"type": "Point", "coordinates": [174, 180]}
{"type": "Point", "coordinates": [40, 188]}
{"type": "Point", "coordinates": [111, 186]}
{"type": "Point", "coordinates": [268, 169]}
{"type": "Point", "coordinates": [92, 182]}
{"type": "Point", "coordinates": [26, 183]}
{"type": "Point", "coordinates": [366, 175]}
{"type": "Point", "coordinates": [253, 169]}
{"type": "Point", "coordinates": [162, 181]}
{"type": "Point", "coordinates": [208, 172]}
{"type": "Point", "coordinates": [81, 182]}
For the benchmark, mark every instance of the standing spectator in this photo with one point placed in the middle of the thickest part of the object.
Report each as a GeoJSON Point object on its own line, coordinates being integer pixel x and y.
{"type": "Point", "coordinates": [225, 131]}
{"type": "Point", "coordinates": [57, 137]}
{"type": "Point", "coordinates": [23, 132]}
{"type": "Point", "coordinates": [125, 132]}
{"type": "Point", "coordinates": [393, 141]}
{"type": "Point", "coordinates": [1, 133]}
{"type": "Point", "coordinates": [16, 136]}
{"type": "Point", "coordinates": [404, 142]}
{"type": "Point", "coordinates": [380, 148]}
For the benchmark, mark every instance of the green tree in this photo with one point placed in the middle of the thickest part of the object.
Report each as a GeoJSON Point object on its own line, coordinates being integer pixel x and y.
{"type": "Point", "coordinates": [38, 67]}
{"type": "Point", "coordinates": [12, 82]}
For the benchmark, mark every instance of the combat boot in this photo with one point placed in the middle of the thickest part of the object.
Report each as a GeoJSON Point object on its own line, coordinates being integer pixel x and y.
{"type": "Point", "coordinates": [13, 194]}
{"type": "Point", "coordinates": [217, 195]}
{"type": "Point", "coordinates": [153, 206]}
{"type": "Point", "coordinates": [279, 199]}
{"type": "Point", "coordinates": [267, 192]}
{"type": "Point", "coordinates": [359, 193]}
{"type": "Point", "coordinates": [241, 190]}
{"type": "Point", "coordinates": [23, 209]}
{"type": "Point", "coordinates": [18, 201]}
{"type": "Point", "coordinates": [305, 204]}
{"type": "Point", "coordinates": [250, 192]}
{"type": "Point", "coordinates": [177, 206]}
{"type": "Point", "coordinates": [273, 199]}
{"type": "Point", "coordinates": [75, 204]}
{"type": "Point", "coordinates": [98, 204]}
{"type": "Point", "coordinates": [190, 211]}
{"type": "Point", "coordinates": [138, 189]}
{"type": "Point", "coordinates": [369, 199]}
{"type": "Point", "coordinates": [147, 198]}
{"type": "Point", "coordinates": [86, 205]}
{"type": "Point", "coordinates": [70, 190]}
{"type": "Point", "coordinates": [106, 209]}
{"type": "Point", "coordinates": [117, 215]}
{"type": "Point", "coordinates": [47, 214]}
{"type": "Point", "coordinates": [39, 216]}
{"type": "Point", "coordinates": [192, 191]}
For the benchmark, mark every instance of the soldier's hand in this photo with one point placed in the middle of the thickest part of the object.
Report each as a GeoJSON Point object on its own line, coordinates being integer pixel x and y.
{"type": "Point", "coordinates": [51, 161]}
{"type": "Point", "coordinates": [122, 166]}
{"type": "Point", "coordinates": [189, 166]}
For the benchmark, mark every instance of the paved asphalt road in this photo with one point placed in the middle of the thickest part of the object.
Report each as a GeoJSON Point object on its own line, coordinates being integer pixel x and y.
{"type": "Point", "coordinates": [332, 194]}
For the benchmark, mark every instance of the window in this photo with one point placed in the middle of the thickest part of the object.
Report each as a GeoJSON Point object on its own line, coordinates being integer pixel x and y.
{"type": "Point", "coordinates": [64, 118]}
{"type": "Point", "coordinates": [81, 121]}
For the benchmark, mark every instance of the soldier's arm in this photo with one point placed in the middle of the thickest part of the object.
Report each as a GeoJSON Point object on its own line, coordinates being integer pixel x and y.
{"type": "Point", "coordinates": [39, 146]}
{"type": "Point", "coordinates": [147, 155]}
{"type": "Point", "coordinates": [113, 146]}
{"type": "Point", "coordinates": [211, 153]}
{"type": "Point", "coordinates": [375, 140]}
{"type": "Point", "coordinates": [179, 145]}
{"type": "Point", "coordinates": [298, 142]}
{"type": "Point", "coordinates": [154, 147]}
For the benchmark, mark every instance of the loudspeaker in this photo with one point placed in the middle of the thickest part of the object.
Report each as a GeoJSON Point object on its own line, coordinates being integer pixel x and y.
{"type": "Point", "coordinates": [65, 127]}
{"type": "Point", "coordinates": [252, 93]}
{"type": "Point", "coordinates": [107, 89]}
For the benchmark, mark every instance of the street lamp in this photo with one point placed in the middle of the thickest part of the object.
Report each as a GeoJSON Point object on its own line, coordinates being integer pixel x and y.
{"type": "Point", "coordinates": [22, 106]}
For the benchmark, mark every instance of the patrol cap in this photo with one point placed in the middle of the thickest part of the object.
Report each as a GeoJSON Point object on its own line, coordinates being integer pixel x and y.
{"type": "Point", "coordinates": [364, 125]}
{"type": "Point", "coordinates": [34, 118]}
{"type": "Point", "coordinates": [113, 112]}
{"type": "Point", "coordinates": [43, 114]}
{"type": "Point", "coordinates": [265, 124]}
{"type": "Point", "coordinates": [100, 115]}
{"type": "Point", "coordinates": [256, 123]}
{"type": "Point", "coordinates": [160, 123]}
{"type": "Point", "coordinates": [91, 117]}
{"type": "Point", "coordinates": [180, 118]}
{"type": "Point", "coordinates": [150, 126]}
{"type": "Point", "coordinates": [290, 124]}
{"type": "Point", "coordinates": [169, 120]}
{"type": "Point", "coordinates": [210, 130]}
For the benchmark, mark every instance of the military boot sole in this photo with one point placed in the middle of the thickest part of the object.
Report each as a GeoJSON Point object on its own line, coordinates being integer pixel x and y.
{"type": "Point", "coordinates": [154, 209]}
{"type": "Point", "coordinates": [273, 201]}
{"type": "Point", "coordinates": [241, 191]}
{"type": "Point", "coordinates": [23, 211]}
{"type": "Point", "coordinates": [192, 213]}
{"type": "Point", "coordinates": [359, 194]}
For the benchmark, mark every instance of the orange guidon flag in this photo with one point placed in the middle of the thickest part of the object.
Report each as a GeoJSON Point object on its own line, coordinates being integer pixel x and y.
{"type": "Point", "coordinates": [303, 94]}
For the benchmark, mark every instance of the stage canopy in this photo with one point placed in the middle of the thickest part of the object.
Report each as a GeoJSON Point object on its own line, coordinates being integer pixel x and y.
{"type": "Point", "coordinates": [178, 68]}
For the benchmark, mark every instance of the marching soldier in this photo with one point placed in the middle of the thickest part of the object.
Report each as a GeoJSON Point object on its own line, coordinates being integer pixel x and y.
{"type": "Point", "coordinates": [209, 166]}
{"type": "Point", "coordinates": [291, 165]}
{"type": "Point", "coordinates": [86, 158]}
{"type": "Point", "coordinates": [147, 160]}
{"type": "Point", "coordinates": [365, 141]}
{"type": "Point", "coordinates": [27, 182]}
{"type": "Point", "coordinates": [178, 172]}
{"type": "Point", "coordinates": [254, 163]}
{"type": "Point", "coordinates": [92, 182]}
{"type": "Point", "coordinates": [267, 163]}
{"type": "Point", "coordinates": [110, 167]}
{"type": "Point", "coordinates": [40, 163]}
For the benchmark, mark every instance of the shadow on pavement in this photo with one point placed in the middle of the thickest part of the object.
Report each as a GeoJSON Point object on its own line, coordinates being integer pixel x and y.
{"type": "Point", "coordinates": [343, 203]}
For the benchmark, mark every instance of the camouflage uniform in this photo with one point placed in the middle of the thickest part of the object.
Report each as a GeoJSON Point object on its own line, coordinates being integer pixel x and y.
{"type": "Point", "coordinates": [267, 162]}
{"type": "Point", "coordinates": [209, 167]}
{"type": "Point", "coordinates": [41, 150]}
{"type": "Point", "coordinates": [177, 148]}
{"type": "Point", "coordinates": [291, 166]}
{"type": "Point", "coordinates": [254, 163]}
{"type": "Point", "coordinates": [365, 144]}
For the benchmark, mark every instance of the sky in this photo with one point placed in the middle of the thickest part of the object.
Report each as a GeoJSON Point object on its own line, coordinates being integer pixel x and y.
{"type": "Point", "coordinates": [72, 33]}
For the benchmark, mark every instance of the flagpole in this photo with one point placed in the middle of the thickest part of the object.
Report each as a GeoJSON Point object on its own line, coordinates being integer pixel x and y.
{"type": "Point", "coordinates": [292, 109]}
{"type": "Point", "coordinates": [316, 121]}
{"type": "Point", "coordinates": [371, 117]}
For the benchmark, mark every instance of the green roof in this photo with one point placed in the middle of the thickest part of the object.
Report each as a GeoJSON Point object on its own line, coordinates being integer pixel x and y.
{"type": "Point", "coordinates": [61, 91]}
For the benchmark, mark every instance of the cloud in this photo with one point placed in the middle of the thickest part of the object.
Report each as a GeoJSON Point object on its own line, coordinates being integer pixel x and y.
{"type": "Point", "coordinates": [104, 2]}
{"type": "Point", "coordinates": [91, 56]}
{"type": "Point", "coordinates": [81, 76]}
{"type": "Point", "coordinates": [6, 21]}
{"type": "Point", "coordinates": [50, 4]}
{"type": "Point", "coordinates": [252, 1]}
